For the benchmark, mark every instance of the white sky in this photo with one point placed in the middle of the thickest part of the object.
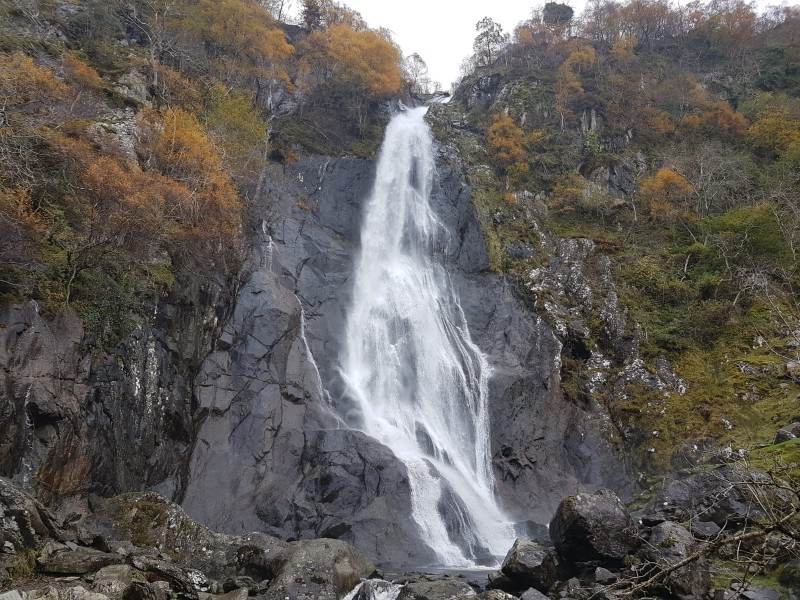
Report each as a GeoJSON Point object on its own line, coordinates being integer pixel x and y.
{"type": "Point", "coordinates": [441, 31]}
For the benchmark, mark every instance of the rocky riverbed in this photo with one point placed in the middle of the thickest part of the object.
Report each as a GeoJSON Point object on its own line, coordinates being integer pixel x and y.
{"type": "Point", "coordinates": [141, 546]}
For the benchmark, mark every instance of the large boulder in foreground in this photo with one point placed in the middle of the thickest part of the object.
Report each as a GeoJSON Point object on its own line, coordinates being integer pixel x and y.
{"type": "Point", "coordinates": [593, 528]}
{"type": "Point", "coordinates": [320, 569]}
{"type": "Point", "coordinates": [444, 589]}
{"type": "Point", "coordinates": [527, 564]}
{"type": "Point", "coordinates": [669, 544]}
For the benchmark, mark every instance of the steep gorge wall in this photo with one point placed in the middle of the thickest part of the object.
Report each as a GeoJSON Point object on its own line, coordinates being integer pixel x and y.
{"type": "Point", "coordinates": [231, 406]}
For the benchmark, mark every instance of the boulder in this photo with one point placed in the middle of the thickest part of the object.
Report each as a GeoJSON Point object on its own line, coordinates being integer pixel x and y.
{"type": "Point", "coordinates": [720, 495]}
{"type": "Point", "coordinates": [668, 544]}
{"type": "Point", "coordinates": [533, 594]}
{"type": "Point", "coordinates": [375, 589]}
{"type": "Point", "coordinates": [529, 565]}
{"type": "Point", "coordinates": [754, 592]}
{"type": "Point", "coordinates": [140, 590]}
{"type": "Point", "coordinates": [78, 562]}
{"type": "Point", "coordinates": [604, 576]}
{"type": "Point", "coordinates": [152, 520]}
{"type": "Point", "coordinates": [184, 580]}
{"type": "Point", "coordinates": [787, 433]}
{"type": "Point", "coordinates": [501, 581]}
{"type": "Point", "coordinates": [240, 594]}
{"type": "Point", "coordinates": [113, 580]}
{"type": "Point", "coordinates": [593, 528]}
{"type": "Point", "coordinates": [24, 522]}
{"type": "Point", "coordinates": [705, 530]}
{"type": "Point", "coordinates": [491, 595]}
{"type": "Point", "coordinates": [444, 589]}
{"type": "Point", "coordinates": [321, 569]}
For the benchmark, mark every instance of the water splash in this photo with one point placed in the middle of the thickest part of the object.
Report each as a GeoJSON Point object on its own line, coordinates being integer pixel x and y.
{"type": "Point", "coordinates": [420, 382]}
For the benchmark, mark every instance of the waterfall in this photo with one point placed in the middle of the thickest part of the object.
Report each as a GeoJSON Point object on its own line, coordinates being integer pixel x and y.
{"type": "Point", "coordinates": [419, 382]}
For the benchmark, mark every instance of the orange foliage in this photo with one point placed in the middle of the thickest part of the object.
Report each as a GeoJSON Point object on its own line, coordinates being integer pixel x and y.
{"type": "Point", "coordinates": [178, 147]}
{"type": "Point", "coordinates": [81, 73]}
{"type": "Point", "coordinates": [507, 143]}
{"type": "Point", "coordinates": [361, 59]}
{"type": "Point", "coordinates": [717, 119]}
{"type": "Point", "coordinates": [666, 192]}
{"type": "Point", "coordinates": [568, 83]}
{"type": "Point", "coordinates": [243, 39]}
{"type": "Point", "coordinates": [23, 82]}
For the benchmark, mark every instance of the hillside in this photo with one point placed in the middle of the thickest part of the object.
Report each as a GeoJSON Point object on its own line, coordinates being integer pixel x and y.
{"type": "Point", "coordinates": [266, 322]}
{"type": "Point", "coordinates": [666, 139]}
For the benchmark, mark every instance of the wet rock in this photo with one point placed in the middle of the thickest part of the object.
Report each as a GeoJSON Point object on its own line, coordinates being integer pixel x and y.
{"type": "Point", "coordinates": [320, 569]}
{"type": "Point", "coordinates": [375, 589]}
{"type": "Point", "coordinates": [787, 433]}
{"type": "Point", "coordinates": [78, 562]}
{"type": "Point", "coordinates": [670, 543]}
{"type": "Point", "coordinates": [593, 528]}
{"type": "Point", "coordinates": [448, 589]}
{"type": "Point", "coordinates": [530, 565]}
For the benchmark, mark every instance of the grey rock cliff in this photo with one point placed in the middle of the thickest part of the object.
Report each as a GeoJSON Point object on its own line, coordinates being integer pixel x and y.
{"type": "Point", "coordinates": [275, 450]}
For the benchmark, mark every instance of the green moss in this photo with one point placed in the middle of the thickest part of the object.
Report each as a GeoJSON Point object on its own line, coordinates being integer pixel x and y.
{"type": "Point", "coordinates": [24, 565]}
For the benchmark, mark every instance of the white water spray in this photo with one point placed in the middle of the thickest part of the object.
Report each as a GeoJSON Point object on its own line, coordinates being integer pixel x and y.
{"type": "Point", "coordinates": [419, 381]}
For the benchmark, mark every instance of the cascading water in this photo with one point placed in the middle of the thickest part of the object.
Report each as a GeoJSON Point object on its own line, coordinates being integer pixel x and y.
{"type": "Point", "coordinates": [420, 383]}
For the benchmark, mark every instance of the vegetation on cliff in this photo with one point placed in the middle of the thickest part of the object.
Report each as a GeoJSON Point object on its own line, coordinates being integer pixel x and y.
{"type": "Point", "coordinates": [668, 136]}
{"type": "Point", "coordinates": [131, 132]}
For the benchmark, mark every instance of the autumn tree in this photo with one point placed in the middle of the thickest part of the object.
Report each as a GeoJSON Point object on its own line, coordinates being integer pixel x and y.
{"type": "Point", "coordinates": [27, 92]}
{"type": "Point", "coordinates": [239, 130]}
{"type": "Point", "coordinates": [666, 193]}
{"type": "Point", "coordinates": [507, 144]}
{"type": "Point", "coordinates": [205, 206]}
{"type": "Point", "coordinates": [568, 83]}
{"type": "Point", "coordinates": [244, 46]}
{"type": "Point", "coordinates": [489, 41]}
{"type": "Point", "coordinates": [353, 67]}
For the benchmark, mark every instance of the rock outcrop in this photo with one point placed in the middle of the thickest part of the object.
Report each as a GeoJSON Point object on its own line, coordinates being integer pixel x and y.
{"type": "Point", "coordinates": [593, 528]}
{"type": "Point", "coordinates": [231, 400]}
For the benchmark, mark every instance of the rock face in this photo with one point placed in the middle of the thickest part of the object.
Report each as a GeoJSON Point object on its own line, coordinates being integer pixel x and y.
{"type": "Point", "coordinates": [236, 407]}
{"type": "Point", "coordinates": [711, 495]}
{"type": "Point", "coordinates": [272, 448]}
{"type": "Point", "coordinates": [593, 528]}
{"type": "Point", "coordinates": [73, 421]}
